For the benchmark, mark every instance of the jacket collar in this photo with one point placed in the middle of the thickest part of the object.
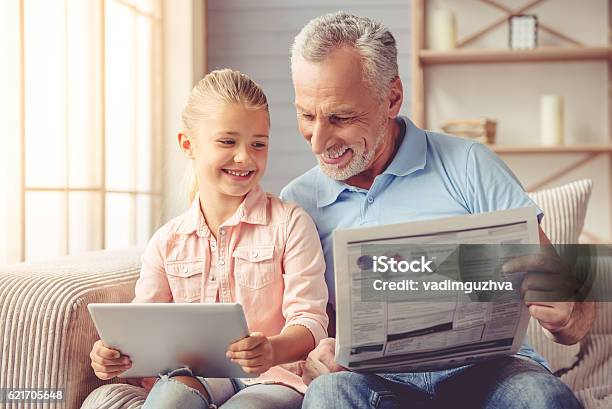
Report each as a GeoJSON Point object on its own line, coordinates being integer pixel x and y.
{"type": "Point", "coordinates": [252, 210]}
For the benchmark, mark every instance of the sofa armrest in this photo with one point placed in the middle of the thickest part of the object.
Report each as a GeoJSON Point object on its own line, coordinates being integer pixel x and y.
{"type": "Point", "coordinates": [46, 332]}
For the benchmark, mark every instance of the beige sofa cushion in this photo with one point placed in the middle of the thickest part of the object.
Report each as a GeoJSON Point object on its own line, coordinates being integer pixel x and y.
{"type": "Point", "coordinates": [116, 396]}
{"type": "Point", "coordinates": [587, 366]}
{"type": "Point", "coordinates": [564, 212]}
{"type": "Point", "coordinates": [46, 332]}
{"type": "Point", "coordinates": [591, 376]}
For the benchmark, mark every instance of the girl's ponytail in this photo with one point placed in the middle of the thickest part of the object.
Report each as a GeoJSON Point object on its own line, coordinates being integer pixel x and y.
{"type": "Point", "coordinates": [190, 182]}
{"type": "Point", "coordinates": [221, 86]}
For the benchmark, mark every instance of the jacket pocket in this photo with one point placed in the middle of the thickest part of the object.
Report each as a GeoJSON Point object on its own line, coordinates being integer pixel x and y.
{"type": "Point", "coordinates": [254, 266]}
{"type": "Point", "coordinates": [185, 279]}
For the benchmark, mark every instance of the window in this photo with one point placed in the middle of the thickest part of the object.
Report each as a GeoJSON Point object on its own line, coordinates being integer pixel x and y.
{"type": "Point", "coordinates": [81, 125]}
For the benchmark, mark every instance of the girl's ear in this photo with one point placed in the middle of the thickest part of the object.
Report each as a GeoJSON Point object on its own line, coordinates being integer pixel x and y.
{"type": "Point", "coordinates": [186, 145]}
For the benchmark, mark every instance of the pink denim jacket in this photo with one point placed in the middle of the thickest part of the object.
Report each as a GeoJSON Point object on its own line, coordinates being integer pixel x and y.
{"type": "Point", "coordinates": [267, 257]}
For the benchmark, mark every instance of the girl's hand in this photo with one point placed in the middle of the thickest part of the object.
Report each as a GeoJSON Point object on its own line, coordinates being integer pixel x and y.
{"type": "Point", "coordinates": [106, 362]}
{"type": "Point", "coordinates": [254, 353]}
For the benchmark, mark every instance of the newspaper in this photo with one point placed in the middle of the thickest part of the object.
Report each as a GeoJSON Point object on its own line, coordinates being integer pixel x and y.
{"type": "Point", "coordinates": [381, 331]}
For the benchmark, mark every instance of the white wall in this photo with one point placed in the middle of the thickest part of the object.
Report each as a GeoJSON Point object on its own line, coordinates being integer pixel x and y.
{"type": "Point", "coordinates": [255, 36]}
{"type": "Point", "coordinates": [184, 54]}
{"type": "Point", "coordinates": [510, 93]}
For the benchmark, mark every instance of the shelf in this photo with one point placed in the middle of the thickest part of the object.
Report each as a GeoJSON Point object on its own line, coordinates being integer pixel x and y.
{"type": "Point", "coordinates": [545, 150]}
{"type": "Point", "coordinates": [542, 54]}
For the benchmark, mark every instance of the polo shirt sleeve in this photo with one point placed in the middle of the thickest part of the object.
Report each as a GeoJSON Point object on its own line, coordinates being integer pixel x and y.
{"type": "Point", "coordinates": [292, 194]}
{"type": "Point", "coordinates": [285, 195]}
{"type": "Point", "coordinates": [491, 185]}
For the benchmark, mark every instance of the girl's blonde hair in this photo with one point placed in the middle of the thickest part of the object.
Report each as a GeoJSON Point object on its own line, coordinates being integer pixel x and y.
{"type": "Point", "coordinates": [220, 86]}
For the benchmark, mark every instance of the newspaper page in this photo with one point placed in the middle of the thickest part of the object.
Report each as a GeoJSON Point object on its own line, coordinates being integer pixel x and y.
{"type": "Point", "coordinates": [422, 320]}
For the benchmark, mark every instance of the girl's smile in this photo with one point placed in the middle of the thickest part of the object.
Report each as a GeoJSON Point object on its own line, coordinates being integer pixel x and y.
{"type": "Point", "coordinates": [239, 175]}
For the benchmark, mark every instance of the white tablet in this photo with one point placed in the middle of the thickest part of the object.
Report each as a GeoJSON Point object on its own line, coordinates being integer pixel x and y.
{"type": "Point", "coordinates": [162, 337]}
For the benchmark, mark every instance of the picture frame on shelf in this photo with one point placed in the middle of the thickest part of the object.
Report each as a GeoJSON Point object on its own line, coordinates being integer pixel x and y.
{"type": "Point", "coordinates": [523, 32]}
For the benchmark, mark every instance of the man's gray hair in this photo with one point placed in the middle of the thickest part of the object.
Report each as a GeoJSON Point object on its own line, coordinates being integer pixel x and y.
{"type": "Point", "coordinates": [372, 39]}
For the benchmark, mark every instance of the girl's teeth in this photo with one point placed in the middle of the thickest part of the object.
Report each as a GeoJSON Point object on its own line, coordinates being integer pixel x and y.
{"type": "Point", "coordinates": [231, 172]}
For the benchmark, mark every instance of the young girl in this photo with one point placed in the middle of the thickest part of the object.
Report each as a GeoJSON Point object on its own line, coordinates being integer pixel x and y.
{"type": "Point", "coordinates": [235, 244]}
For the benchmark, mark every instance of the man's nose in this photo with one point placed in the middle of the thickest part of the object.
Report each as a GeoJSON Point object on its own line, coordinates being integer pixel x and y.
{"type": "Point", "coordinates": [318, 139]}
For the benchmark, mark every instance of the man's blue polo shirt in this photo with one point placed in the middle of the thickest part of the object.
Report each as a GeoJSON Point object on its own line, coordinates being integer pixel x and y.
{"type": "Point", "coordinates": [432, 175]}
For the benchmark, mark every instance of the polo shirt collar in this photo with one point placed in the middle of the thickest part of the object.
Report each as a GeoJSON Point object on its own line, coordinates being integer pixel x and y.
{"type": "Point", "coordinates": [253, 210]}
{"type": "Point", "coordinates": [328, 189]}
{"type": "Point", "coordinates": [412, 153]}
{"type": "Point", "coordinates": [410, 157]}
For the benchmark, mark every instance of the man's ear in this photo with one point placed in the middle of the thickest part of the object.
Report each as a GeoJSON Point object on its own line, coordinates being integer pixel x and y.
{"type": "Point", "coordinates": [396, 97]}
{"type": "Point", "coordinates": [185, 145]}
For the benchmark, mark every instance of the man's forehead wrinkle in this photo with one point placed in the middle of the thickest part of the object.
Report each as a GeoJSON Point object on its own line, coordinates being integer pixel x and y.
{"type": "Point", "coordinates": [328, 106]}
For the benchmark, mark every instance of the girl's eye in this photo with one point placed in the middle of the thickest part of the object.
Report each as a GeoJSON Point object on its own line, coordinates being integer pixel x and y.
{"type": "Point", "coordinates": [259, 145]}
{"type": "Point", "coordinates": [226, 142]}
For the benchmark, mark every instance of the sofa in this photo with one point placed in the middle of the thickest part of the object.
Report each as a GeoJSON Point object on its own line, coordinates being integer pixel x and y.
{"type": "Point", "coordinates": [46, 332]}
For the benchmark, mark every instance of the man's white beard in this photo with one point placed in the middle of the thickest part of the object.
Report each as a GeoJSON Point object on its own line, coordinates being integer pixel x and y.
{"type": "Point", "coordinates": [358, 163]}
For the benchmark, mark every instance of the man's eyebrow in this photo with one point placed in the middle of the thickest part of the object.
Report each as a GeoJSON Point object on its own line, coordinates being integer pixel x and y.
{"type": "Point", "coordinates": [342, 111]}
{"type": "Point", "coordinates": [335, 111]}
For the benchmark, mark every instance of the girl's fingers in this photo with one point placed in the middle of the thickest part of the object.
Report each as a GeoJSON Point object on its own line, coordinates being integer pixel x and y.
{"type": "Point", "coordinates": [249, 363]}
{"type": "Point", "coordinates": [109, 362]}
{"type": "Point", "coordinates": [299, 370]}
{"type": "Point", "coordinates": [248, 343]}
{"type": "Point", "coordinates": [105, 352]}
{"type": "Point", "coordinates": [109, 368]}
{"type": "Point", "coordinates": [108, 375]}
{"type": "Point", "coordinates": [253, 370]}
{"type": "Point", "coordinates": [244, 354]}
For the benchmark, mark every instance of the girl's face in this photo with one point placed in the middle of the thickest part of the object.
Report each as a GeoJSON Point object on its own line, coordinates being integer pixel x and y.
{"type": "Point", "coordinates": [230, 149]}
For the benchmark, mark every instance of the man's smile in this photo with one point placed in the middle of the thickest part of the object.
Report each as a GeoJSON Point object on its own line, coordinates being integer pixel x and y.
{"type": "Point", "coordinates": [336, 156]}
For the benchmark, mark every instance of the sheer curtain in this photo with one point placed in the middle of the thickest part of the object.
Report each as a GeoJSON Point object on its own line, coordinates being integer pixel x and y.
{"type": "Point", "coordinates": [80, 127]}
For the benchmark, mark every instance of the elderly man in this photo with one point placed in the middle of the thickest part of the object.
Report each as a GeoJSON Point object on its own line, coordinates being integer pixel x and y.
{"type": "Point", "coordinates": [376, 167]}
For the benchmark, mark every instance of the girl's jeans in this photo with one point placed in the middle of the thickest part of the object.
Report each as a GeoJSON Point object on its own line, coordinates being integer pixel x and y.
{"type": "Point", "coordinates": [168, 393]}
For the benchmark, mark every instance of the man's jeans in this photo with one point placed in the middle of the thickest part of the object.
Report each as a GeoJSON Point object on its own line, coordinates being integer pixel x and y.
{"type": "Point", "coordinates": [517, 382]}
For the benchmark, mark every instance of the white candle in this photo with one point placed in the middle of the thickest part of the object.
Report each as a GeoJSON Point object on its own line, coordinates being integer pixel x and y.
{"type": "Point", "coordinates": [441, 30]}
{"type": "Point", "coordinates": [551, 119]}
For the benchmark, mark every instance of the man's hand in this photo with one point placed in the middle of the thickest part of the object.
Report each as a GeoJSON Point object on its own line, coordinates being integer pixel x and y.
{"type": "Point", "coordinates": [548, 289]}
{"type": "Point", "coordinates": [254, 353]}
{"type": "Point", "coordinates": [320, 361]}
